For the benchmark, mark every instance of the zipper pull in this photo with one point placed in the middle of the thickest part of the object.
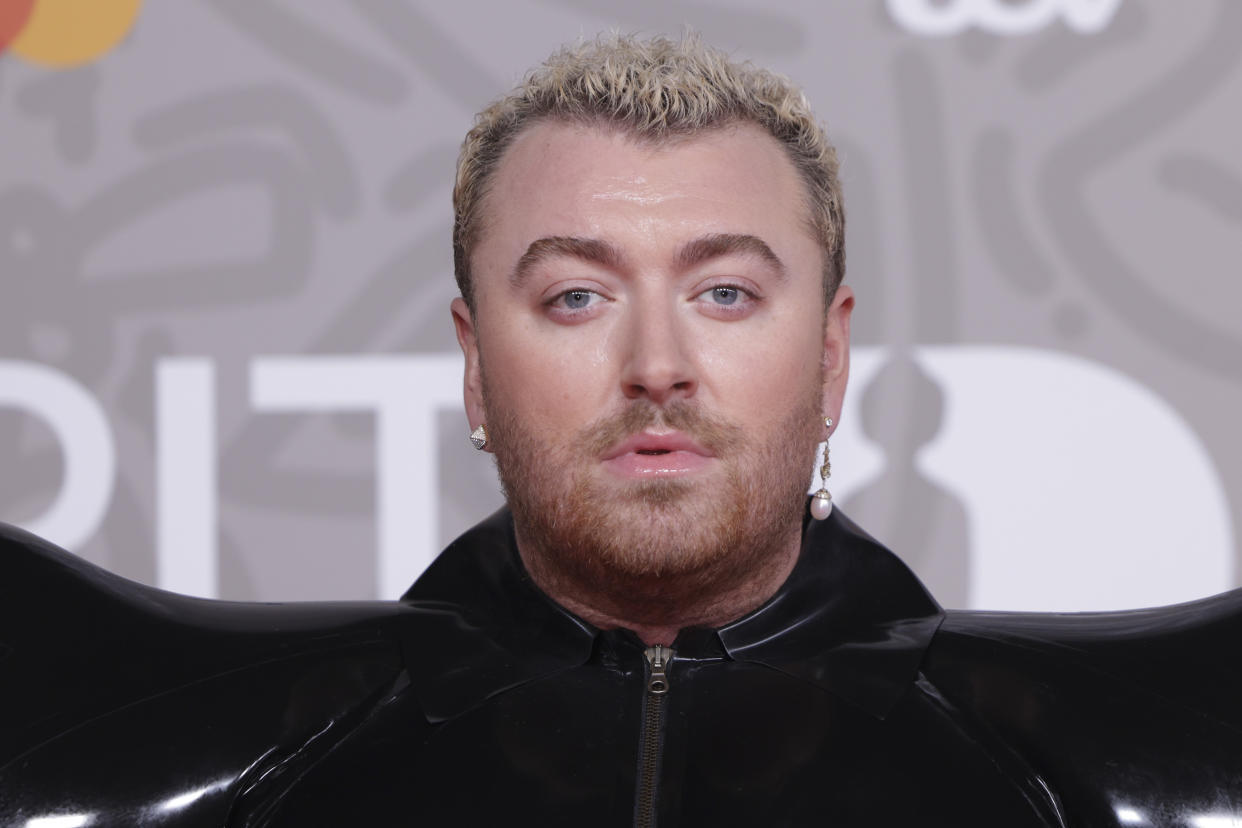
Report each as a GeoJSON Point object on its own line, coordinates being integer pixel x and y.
{"type": "Point", "coordinates": [658, 657]}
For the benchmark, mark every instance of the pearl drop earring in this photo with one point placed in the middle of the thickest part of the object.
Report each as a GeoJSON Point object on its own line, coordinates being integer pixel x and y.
{"type": "Point", "coordinates": [821, 501]}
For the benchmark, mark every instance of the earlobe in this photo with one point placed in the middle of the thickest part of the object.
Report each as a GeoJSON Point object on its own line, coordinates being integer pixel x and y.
{"type": "Point", "coordinates": [472, 380]}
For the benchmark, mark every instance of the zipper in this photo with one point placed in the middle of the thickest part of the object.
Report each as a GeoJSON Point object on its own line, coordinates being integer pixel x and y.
{"type": "Point", "coordinates": [651, 745]}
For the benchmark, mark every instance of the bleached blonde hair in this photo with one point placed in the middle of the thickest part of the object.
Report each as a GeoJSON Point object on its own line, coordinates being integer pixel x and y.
{"type": "Point", "coordinates": [655, 90]}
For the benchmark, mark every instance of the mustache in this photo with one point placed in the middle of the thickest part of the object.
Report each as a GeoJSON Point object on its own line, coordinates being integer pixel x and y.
{"type": "Point", "coordinates": [714, 433]}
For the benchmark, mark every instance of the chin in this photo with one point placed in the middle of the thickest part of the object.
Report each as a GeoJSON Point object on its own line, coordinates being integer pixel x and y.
{"type": "Point", "coordinates": [661, 494]}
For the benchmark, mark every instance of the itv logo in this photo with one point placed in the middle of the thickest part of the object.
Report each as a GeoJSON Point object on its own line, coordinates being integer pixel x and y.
{"type": "Point", "coordinates": [941, 19]}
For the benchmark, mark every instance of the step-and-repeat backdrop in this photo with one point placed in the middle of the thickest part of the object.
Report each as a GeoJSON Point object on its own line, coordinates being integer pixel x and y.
{"type": "Point", "coordinates": [226, 360]}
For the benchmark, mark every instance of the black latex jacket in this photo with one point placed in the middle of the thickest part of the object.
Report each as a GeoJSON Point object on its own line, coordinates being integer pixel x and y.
{"type": "Point", "coordinates": [849, 699]}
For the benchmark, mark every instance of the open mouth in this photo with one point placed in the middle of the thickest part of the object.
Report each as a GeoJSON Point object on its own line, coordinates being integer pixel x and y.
{"type": "Point", "coordinates": [652, 451]}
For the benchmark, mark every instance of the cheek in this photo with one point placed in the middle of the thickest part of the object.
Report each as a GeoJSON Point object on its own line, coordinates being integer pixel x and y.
{"type": "Point", "coordinates": [767, 368]}
{"type": "Point", "coordinates": [549, 385]}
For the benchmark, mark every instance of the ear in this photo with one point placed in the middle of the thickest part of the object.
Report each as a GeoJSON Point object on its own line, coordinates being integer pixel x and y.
{"type": "Point", "coordinates": [837, 352]}
{"type": "Point", "coordinates": [472, 382]}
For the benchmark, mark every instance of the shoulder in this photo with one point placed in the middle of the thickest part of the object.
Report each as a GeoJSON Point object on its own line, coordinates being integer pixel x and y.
{"type": "Point", "coordinates": [1184, 653]}
{"type": "Point", "coordinates": [87, 652]}
{"type": "Point", "coordinates": [54, 599]}
{"type": "Point", "coordinates": [1136, 711]}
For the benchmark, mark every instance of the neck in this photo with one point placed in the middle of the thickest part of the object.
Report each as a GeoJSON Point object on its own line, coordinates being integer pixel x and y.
{"type": "Point", "coordinates": [656, 606]}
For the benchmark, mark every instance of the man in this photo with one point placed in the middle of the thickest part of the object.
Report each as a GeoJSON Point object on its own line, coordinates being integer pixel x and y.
{"type": "Point", "coordinates": [653, 327]}
{"type": "Point", "coordinates": [661, 629]}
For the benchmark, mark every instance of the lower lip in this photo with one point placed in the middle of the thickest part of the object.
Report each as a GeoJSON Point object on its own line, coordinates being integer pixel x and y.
{"type": "Point", "coordinates": [672, 464]}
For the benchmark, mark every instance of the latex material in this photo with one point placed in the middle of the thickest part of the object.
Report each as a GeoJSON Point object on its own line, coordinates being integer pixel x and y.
{"type": "Point", "coordinates": [849, 699]}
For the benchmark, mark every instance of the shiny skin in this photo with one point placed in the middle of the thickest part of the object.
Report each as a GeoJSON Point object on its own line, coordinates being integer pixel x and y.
{"type": "Point", "coordinates": [651, 328]}
{"type": "Point", "coordinates": [743, 338]}
{"type": "Point", "coordinates": [850, 699]}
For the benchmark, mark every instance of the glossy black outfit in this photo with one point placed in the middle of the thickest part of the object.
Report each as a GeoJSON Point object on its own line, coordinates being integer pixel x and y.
{"type": "Point", "coordinates": [849, 699]}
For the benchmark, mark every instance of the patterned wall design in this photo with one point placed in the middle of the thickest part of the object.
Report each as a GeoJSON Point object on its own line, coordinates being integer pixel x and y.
{"type": "Point", "coordinates": [1045, 203]}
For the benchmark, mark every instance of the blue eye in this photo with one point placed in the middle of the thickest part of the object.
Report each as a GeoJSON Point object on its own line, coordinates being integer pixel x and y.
{"type": "Point", "coordinates": [727, 301]}
{"type": "Point", "coordinates": [576, 299]}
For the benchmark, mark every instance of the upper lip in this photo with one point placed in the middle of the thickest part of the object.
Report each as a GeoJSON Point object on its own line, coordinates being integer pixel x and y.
{"type": "Point", "coordinates": [651, 441]}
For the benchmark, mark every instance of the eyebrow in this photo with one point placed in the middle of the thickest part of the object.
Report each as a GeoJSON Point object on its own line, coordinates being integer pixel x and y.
{"type": "Point", "coordinates": [550, 247]}
{"type": "Point", "coordinates": [601, 252]}
{"type": "Point", "coordinates": [727, 244]}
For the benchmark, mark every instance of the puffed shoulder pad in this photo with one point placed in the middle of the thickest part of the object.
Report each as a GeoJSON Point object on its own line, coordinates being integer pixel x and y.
{"type": "Point", "coordinates": [93, 665]}
{"type": "Point", "coordinates": [1184, 654]}
{"type": "Point", "coordinates": [1123, 715]}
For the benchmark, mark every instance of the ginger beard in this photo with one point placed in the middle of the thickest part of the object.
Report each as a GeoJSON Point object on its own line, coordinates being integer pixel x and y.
{"type": "Point", "coordinates": [651, 550]}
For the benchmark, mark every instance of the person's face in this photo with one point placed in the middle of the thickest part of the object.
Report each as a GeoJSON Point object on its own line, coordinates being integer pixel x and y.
{"type": "Point", "coordinates": [650, 341]}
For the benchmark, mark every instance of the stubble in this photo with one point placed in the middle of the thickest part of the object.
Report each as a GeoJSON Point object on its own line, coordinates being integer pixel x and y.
{"type": "Point", "coordinates": [661, 551]}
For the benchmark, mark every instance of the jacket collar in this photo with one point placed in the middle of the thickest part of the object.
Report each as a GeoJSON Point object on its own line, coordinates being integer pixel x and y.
{"type": "Point", "coordinates": [851, 619]}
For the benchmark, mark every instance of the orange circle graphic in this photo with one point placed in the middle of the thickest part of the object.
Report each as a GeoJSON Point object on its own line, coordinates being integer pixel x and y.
{"type": "Point", "coordinates": [64, 33]}
{"type": "Point", "coordinates": [13, 16]}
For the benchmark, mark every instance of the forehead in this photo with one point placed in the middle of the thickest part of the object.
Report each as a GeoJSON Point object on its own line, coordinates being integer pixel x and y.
{"type": "Point", "coordinates": [596, 181]}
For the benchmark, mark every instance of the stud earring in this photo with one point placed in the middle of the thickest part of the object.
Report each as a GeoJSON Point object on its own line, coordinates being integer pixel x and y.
{"type": "Point", "coordinates": [478, 438]}
{"type": "Point", "coordinates": [821, 501]}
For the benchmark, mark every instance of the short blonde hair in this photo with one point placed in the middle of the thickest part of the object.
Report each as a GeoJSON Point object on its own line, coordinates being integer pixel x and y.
{"type": "Point", "coordinates": [655, 90]}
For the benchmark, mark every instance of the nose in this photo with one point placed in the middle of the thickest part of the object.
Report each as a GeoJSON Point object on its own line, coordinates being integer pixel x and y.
{"type": "Point", "coordinates": [657, 363]}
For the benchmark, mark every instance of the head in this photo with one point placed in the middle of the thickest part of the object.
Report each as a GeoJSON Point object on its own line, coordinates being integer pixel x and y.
{"type": "Point", "coordinates": [656, 91]}
{"type": "Point", "coordinates": [648, 242]}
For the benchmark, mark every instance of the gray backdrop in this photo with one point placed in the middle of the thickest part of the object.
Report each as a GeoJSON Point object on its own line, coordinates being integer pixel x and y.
{"type": "Point", "coordinates": [227, 365]}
